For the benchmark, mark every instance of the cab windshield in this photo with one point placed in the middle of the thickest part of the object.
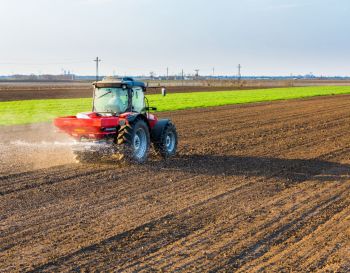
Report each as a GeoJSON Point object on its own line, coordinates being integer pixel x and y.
{"type": "Point", "coordinates": [111, 100]}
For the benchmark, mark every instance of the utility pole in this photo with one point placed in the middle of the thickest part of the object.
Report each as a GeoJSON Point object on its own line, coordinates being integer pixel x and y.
{"type": "Point", "coordinates": [239, 72]}
{"type": "Point", "coordinates": [213, 71]}
{"type": "Point", "coordinates": [197, 73]}
{"type": "Point", "coordinates": [182, 77]}
{"type": "Point", "coordinates": [97, 60]}
{"type": "Point", "coordinates": [167, 73]}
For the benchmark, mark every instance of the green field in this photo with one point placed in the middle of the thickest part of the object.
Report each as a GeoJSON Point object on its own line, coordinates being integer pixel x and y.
{"type": "Point", "coordinates": [33, 111]}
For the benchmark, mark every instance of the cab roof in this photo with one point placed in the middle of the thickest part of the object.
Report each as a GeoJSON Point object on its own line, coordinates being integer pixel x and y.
{"type": "Point", "coordinates": [120, 82]}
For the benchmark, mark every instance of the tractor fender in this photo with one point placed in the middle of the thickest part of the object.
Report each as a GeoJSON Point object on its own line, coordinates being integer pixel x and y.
{"type": "Point", "coordinates": [132, 117]}
{"type": "Point", "coordinates": [158, 129]}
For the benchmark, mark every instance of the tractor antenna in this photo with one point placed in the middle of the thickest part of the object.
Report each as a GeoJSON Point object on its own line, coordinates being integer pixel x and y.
{"type": "Point", "coordinates": [97, 60]}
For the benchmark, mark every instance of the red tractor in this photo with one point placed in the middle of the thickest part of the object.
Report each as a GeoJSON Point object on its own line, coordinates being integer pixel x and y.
{"type": "Point", "coordinates": [119, 124]}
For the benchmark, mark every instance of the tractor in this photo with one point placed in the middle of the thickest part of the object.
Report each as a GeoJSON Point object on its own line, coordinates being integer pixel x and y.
{"type": "Point", "coordinates": [120, 125]}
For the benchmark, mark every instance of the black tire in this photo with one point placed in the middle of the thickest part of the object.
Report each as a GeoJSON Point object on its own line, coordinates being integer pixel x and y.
{"type": "Point", "coordinates": [165, 141]}
{"type": "Point", "coordinates": [134, 141]}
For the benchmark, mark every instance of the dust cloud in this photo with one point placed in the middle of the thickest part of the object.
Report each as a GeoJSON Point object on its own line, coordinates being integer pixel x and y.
{"type": "Point", "coordinates": [31, 147]}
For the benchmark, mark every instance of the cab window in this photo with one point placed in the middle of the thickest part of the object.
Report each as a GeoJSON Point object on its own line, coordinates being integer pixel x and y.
{"type": "Point", "coordinates": [137, 99]}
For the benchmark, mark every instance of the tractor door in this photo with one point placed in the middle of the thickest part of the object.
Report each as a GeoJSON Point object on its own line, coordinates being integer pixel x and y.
{"type": "Point", "coordinates": [138, 99]}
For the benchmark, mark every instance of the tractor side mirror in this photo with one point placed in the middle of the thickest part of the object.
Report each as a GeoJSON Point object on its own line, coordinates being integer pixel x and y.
{"type": "Point", "coordinates": [150, 108]}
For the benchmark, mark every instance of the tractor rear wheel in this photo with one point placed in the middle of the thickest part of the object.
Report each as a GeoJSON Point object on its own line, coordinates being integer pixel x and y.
{"type": "Point", "coordinates": [166, 142]}
{"type": "Point", "coordinates": [134, 141]}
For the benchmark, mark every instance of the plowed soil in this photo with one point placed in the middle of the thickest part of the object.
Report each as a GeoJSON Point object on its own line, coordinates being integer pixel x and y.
{"type": "Point", "coordinates": [260, 187]}
{"type": "Point", "coordinates": [65, 91]}
{"type": "Point", "coordinates": [13, 91]}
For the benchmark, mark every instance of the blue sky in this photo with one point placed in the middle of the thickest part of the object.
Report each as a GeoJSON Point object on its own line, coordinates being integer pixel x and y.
{"type": "Point", "coordinates": [268, 37]}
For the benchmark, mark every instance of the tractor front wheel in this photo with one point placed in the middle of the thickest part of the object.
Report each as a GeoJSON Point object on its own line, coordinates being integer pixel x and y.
{"type": "Point", "coordinates": [165, 139]}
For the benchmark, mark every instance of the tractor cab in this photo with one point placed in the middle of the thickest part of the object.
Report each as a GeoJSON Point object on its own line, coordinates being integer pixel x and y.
{"type": "Point", "coordinates": [115, 97]}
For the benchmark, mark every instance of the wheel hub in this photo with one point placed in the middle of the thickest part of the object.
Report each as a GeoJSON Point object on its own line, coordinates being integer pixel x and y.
{"type": "Point", "coordinates": [170, 142]}
{"type": "Point", "coordinates": [140, 143]}
{"type": "Point", "coordinates": [137, 142]}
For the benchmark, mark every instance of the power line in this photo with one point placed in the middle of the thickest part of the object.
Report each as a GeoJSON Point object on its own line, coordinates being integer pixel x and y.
{"type": "Point", "coordinates": [58, 63]}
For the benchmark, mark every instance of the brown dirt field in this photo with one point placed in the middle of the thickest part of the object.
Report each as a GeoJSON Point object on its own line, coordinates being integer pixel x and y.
{"type": "Point", "coordinates": [12, 91]}
{"type": "Point", "coordinates": [260, 187]}
{"type": "Point", "coordinates": [79, 91]}
{"type": "Point", "coordinates": [66, 91]}
{"type": "Point", "coordinates": [30, 91]}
